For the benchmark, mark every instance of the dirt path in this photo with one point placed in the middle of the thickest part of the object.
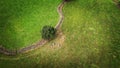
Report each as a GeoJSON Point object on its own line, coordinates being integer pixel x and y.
{"type": "Point", "coordinates": [36, 45]}
{"type": "Point", "coordinates": [59, 9]}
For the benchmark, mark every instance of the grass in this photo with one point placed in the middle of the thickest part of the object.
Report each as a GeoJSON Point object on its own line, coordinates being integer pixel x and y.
{"type": "Point", "coordinates": [21, 21]}
{"type": "Point", "coordinates": [91, 30]}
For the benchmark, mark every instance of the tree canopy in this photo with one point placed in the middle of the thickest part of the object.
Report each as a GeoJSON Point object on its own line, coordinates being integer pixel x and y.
{"type": "Point", "coordinates": [48, 32]}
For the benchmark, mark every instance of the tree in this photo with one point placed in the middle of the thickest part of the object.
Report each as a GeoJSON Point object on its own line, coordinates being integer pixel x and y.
{"type": "Point", "coordinates": [48, 32]}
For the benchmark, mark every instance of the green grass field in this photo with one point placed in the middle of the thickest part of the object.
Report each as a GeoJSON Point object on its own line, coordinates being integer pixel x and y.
{"type": "Point", "coordinates": [91, 31]}
{"type": "Point", "coordinates": [21, 21]}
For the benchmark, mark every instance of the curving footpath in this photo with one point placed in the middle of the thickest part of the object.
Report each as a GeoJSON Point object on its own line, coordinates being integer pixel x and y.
{"type": "Point", "coordinates": [59, 10]}
{"type": "Point", "coordinates": [38, 44]}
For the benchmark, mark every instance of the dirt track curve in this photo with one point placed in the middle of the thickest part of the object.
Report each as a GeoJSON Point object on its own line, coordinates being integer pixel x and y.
{"type": "Point", "coordinates": [5, 51]}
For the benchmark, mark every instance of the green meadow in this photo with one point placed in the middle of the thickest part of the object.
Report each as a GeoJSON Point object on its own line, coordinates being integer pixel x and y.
{"type": "Point", "coordinates": [90, 37]}
{"type": "Point", "coordinates": [21, 21]}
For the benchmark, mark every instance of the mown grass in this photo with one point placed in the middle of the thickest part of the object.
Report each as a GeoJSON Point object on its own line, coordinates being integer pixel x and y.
{"type": "Point", "coordinates": [21, 21]}
{"type": "Point", "coordinates": [91, 29]}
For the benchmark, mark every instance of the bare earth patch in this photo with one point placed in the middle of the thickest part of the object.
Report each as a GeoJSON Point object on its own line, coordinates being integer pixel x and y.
{"type": "Point", "coordinates": [58, 41]}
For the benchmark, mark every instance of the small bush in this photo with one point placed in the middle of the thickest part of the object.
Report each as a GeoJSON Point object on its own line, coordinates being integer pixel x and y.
{"type": "Point", "coordinates": [48, 32]}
